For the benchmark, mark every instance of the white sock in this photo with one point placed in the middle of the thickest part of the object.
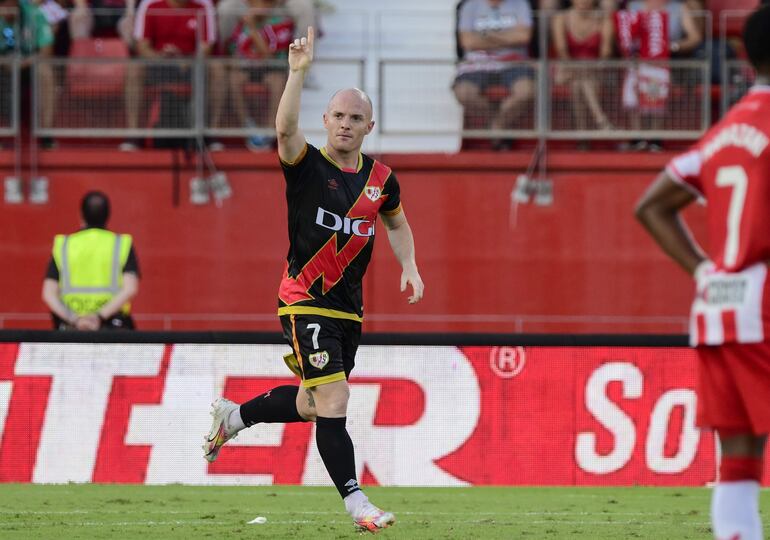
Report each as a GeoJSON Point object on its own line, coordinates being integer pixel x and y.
{"type": "Point", "coordinates": [234, 421]}
{"type": "Point", "coordinates": [735, 511]}
{"type": "Point", "coordinates": [354, 501]}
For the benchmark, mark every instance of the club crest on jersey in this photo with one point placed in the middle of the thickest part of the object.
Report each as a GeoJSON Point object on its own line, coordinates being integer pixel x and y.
{"type": "Point", "coordinates": [319, 359]}
{"type": "Point", "coordinates": [373, 192]}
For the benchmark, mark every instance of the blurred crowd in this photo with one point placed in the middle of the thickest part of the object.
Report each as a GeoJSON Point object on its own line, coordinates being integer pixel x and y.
{"type": "Point", "coordinates": [495, 83]}
{"type": "Point", "coordinates": [496, 86]}
{"type": "Point", "coordinates": [163, 29]}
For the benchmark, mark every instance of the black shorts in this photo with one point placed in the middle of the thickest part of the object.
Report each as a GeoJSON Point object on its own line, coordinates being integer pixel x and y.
{"type": "Point", "coordinates": [174, 74]}
{"type": "Point", "coordinates": [505, 77]}
{"type": "Point", "coordinates": [256, 74]}
{"type": "Point", "coordinates": [324, 347]}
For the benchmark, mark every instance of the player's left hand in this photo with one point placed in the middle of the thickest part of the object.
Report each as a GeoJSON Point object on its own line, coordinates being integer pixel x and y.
{"type": "Point", "coordinates": [410, 276]}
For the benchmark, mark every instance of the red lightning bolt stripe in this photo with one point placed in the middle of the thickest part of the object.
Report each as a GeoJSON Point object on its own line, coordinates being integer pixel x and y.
{"type": "Point", "coordinates": [328, 263]}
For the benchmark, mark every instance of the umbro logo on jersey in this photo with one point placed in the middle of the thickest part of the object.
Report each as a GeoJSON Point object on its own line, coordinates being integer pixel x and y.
{"type": "Point", "coordinates": [333, 183]}
{"type": "Point", "coordinates": [373, 192]}
{"type": "Point", "coordinates": [357, 227]}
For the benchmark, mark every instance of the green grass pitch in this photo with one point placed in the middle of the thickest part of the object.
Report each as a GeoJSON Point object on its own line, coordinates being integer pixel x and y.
{"type": "Point", "coordinates": [63, 512]}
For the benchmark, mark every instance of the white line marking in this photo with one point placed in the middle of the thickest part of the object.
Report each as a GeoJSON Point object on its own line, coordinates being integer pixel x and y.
{"type": "Point", "coordinates": [331, 513]}
{"type": "Point", "coordinates": [496, 522]}
{"type": "Point", "coordinates": [59, 525]}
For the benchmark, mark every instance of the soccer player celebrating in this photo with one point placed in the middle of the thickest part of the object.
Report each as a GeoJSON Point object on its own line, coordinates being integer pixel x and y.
{"type": "Point", "coordinates": [334, 196]}
{"type": "Point", "coordinates": [730, 317]}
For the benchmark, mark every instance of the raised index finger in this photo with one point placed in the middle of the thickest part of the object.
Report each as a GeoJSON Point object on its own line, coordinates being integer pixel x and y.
{"type": "Point", "coordinates": [310, 36]}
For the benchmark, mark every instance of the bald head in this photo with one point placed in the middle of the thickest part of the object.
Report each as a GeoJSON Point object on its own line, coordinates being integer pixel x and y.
{"type": "Point", "coordinates": [351, 97]}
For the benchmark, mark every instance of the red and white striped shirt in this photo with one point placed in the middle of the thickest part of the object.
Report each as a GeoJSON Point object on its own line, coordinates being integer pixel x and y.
{"type": "Point", "coordinates": [730, 168]}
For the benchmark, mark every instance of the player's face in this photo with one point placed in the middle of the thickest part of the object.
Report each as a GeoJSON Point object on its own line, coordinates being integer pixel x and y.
{"type": "Point", "coordinates": [347, 121]}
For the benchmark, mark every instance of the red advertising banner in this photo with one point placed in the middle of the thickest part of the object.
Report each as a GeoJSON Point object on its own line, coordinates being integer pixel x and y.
{"type": "Point", "coordinates": [418, 415]}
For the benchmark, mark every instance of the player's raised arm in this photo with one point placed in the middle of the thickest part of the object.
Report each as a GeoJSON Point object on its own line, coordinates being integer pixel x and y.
{"type": "Point", "coordinates": [291, 140]}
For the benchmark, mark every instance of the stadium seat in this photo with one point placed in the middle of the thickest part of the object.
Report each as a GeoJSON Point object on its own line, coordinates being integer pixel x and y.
{"type": "Point", "coordinates": [97, 79]}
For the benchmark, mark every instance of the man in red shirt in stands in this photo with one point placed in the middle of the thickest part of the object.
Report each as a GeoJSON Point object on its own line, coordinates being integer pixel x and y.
{"type": "Point", "coordinates": [730, 317]}
{"type": "Point", "coordinates": [172, 29]}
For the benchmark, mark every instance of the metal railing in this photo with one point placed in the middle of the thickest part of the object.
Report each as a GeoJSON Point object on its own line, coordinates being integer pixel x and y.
{"type": "Point", "coordinates": [681, 112]}
{"type": "Point", "coordinates": [92, 98]}
{"type": "Point", "coordinates": [170, 98]}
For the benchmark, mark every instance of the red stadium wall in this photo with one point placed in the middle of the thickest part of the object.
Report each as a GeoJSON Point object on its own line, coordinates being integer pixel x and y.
{"type": "Point", "coordinates": [582, 264]}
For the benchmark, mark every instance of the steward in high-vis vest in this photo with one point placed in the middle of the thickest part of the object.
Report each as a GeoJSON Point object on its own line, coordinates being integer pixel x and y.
{"type": "Point", "coordinates": [93, 273]}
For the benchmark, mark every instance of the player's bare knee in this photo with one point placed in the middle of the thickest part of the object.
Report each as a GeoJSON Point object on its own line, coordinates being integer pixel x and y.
{"type": "Point", "coordinates": [331, 400]}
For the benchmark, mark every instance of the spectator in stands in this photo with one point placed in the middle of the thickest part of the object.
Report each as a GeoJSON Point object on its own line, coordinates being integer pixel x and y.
{"type": "Point", "coordinates": [54, 12]}
{"type": "Point", "coordinates": [702, 51]}
{"type": "Point", "coordinates": [171, 29]}
{"type": "Point", "coordinates": [56, 15]}
{"type": "Point", "coordinates": [8, 44]}
{"type": "Point", "coordinates": [608, 6]}
{"type": "Point", "coordinates": [8, 31]}
{"type": "Point", "coordinates": [652, 30]}
{"type": "Point", "coordinates": [93, 274]}
{"type": "Point", "coordinates": [493, 35]}
{"type": "Point", "coordinates": [33, 35]}
{"type": "Point", "coordinates": [684, 34]}
{"type": "Point", "coordinates": [230, 12]}
{"type": "Point", "coordinates": [263, 33]}
{"type": "Point", "coordinates": [304, 13]}
{"type": "Point", "coordinates": [103, 18]}
{"type": "Point", "coordinates": [583, 33]}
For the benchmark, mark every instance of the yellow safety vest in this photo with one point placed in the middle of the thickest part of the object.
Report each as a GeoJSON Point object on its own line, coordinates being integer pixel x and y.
{"type": "Point", "coordinates": [90, 264]}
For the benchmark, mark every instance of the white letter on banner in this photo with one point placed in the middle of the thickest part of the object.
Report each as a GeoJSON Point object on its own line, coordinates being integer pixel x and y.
{"type": "Point", "coordinates": [609, 415]}
{"type": "Point", "coordinates": [82, 375]}
{"type": "Point", "coordinates": [175, 428]}
{"type": "Point", "coordinates": [656, 436]}
{"type": "Point", "coordinates": [406, 455]}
